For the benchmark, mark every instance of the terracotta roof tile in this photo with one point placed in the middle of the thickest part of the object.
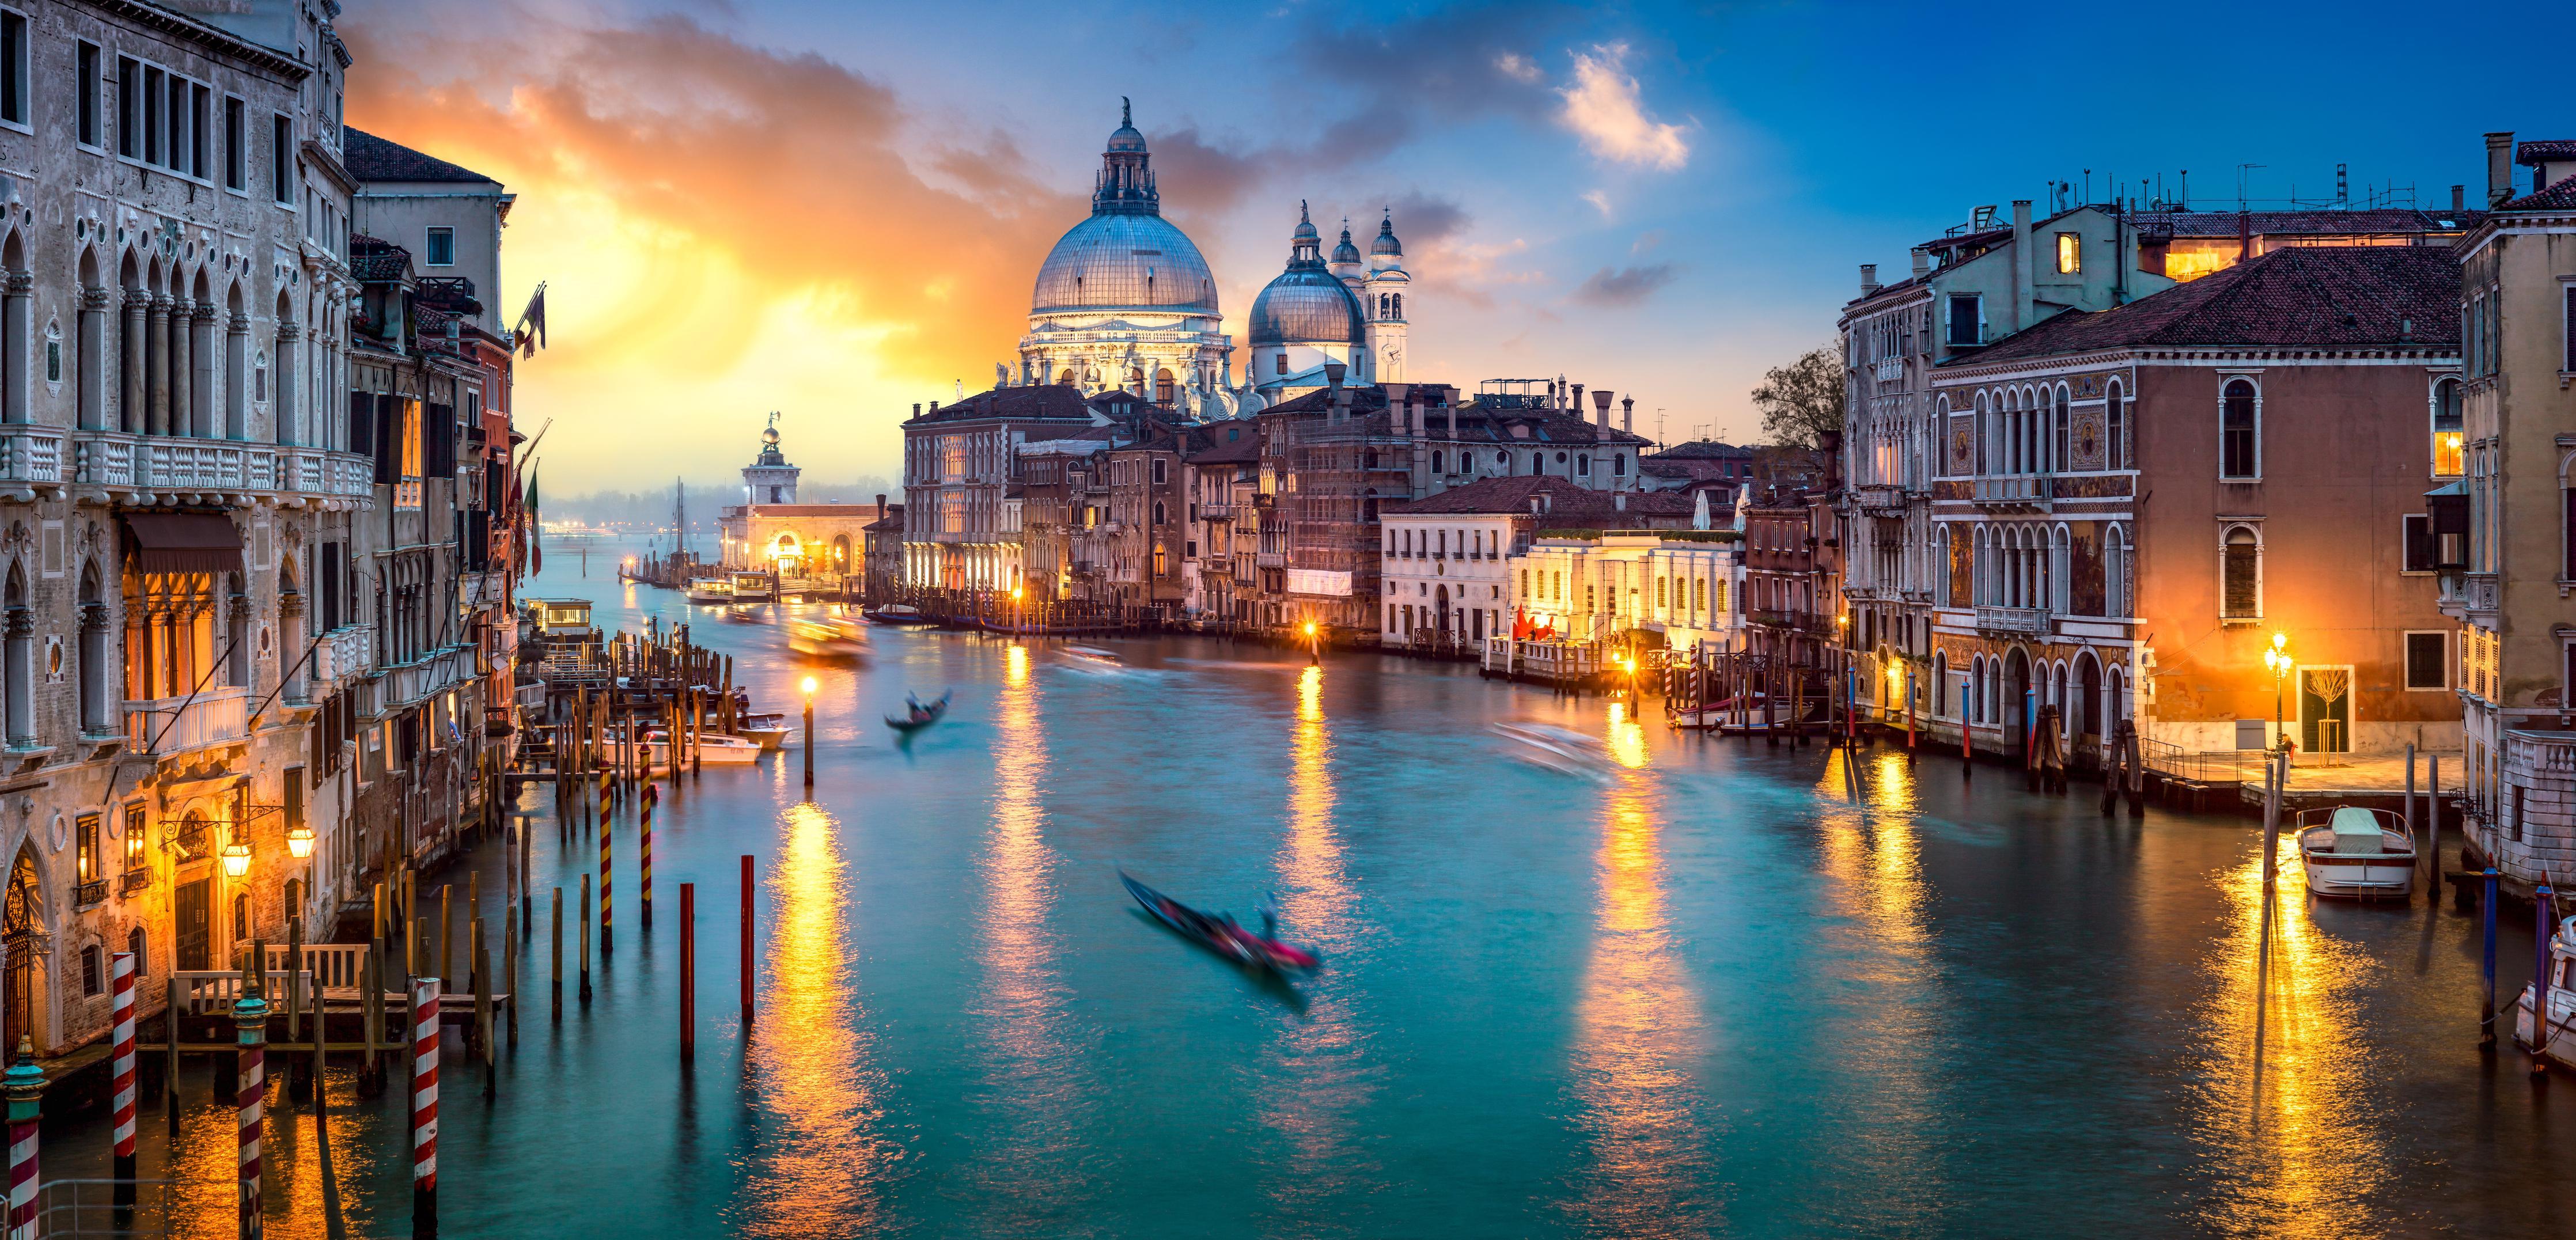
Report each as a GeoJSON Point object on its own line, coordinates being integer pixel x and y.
{"type": "Point", "coordinates": [2558, 197]}
{"type": "Point", "coordinates": [2547, 151]}
{"type": "Point", "coordinates": [370, 158]}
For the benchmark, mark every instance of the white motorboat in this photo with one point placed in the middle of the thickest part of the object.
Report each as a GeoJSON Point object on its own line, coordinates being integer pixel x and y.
{"type": "Point", "coordinates": [2561, 1042]}
{"type": "Point", "coordinates": [751, 588]}
{"type": "Point", "coordinates": [1095, 656]}
{"type": "Point", "coordinates": [714, 749]}
{"type": "Point", "coordinates": [710, 589]}
{"type": "Point", "coordinates": [2356, 852]}
{"type": "Point", "coordinates": [770, 730]}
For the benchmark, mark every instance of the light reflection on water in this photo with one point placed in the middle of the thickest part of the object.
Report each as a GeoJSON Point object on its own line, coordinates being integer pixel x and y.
{"type": "Point", "coordinates": [1639, 1036]}
{"type": "Point", "coordinates": [824, 1157]}
{"type": "Point", "coordinates": [1319, 1074]}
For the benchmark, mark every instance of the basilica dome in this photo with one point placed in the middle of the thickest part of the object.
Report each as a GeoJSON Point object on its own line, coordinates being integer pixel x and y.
{"type": "Point", "coordinates": [1124, 260]}
{"type": "Point", "coordinates": [1306, 304]}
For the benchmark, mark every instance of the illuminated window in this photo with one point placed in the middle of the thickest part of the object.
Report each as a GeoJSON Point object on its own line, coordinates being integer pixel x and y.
{"type": "Point", "coordinates": [2070, 254]}
{"type": "Point", "coordinates": [2449, 444]}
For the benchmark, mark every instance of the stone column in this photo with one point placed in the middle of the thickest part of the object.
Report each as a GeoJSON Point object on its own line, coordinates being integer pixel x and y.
{"type": "Point", "coordinates": [282, 392]}
{"type": "Point", "coordinates": [131, 401]}
{"type": "Point", "coordinates": [21, 649]}
{"type": "Point", "coordinates": [93, 669]}
{"type": "Point", "coordinates": [202, 411]}
{"type": "Point", "coordinates": [157, 370]}
{"type": "Point", "coordinates": [182, 335]}
{"type": "Point", "coordinates": [290, 646]}
{"type": "Point", "coordinates": [92, 360]}
{"type": "Point", "coordinates": [17, 304]}
{"type": "Point", "coordinates": [237, 378]}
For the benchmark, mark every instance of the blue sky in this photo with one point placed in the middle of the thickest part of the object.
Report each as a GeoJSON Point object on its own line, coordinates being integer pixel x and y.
{"type": "Point", "coordinates": [1659, 199]}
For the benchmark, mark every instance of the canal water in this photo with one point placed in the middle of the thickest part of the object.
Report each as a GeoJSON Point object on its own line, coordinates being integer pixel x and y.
{"type": "Point", "coordinates": [1585, 976]}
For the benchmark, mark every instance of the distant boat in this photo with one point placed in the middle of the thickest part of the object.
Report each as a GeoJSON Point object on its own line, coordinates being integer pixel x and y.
{"type": "Point", "coordinates": [1095, 655]}
{"type": "Point", "coordinates": [714, 749]}
{"type": "Point", "coordinates": [919, 715]}
{"type": "Point", "coordinates": [751, 587]}
{"type": "Point", "coordinates": [2362, 853]}
{"type": "Point", "coordinates": [898, 616]}
{"type": "Point", "coordinates": [710, 590]}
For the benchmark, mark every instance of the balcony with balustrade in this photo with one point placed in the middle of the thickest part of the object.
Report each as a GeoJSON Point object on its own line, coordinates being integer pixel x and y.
{"type": "Point", "coordinates": [404, 684]}
{"type": "Point", "coordinates": [346, 651]}
{"type": "Point", "coordinates": [2015, 492]}
{"type": "Point", "coordinates": [174, 725]}
{"type": "Point", "coordinates": [122, 464]}
{"type": "Point", "coordinates": [2013, 621]}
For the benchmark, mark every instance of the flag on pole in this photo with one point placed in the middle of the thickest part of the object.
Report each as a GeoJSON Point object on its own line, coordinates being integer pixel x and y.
{"type": "Point", "coordinates": [531, 328]}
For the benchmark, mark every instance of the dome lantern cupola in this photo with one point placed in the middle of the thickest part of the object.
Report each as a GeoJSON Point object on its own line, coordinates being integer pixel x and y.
{"type": "Point", "coordinates": [1126, 183]}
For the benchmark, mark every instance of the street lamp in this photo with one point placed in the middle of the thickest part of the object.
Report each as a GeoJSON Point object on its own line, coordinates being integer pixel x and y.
{"type": "Point", "coordinates": [1314, 649]}
{"type": "Point", "coordinates": [2278, 659]}
{"type": "Point", "coordinates": [1015, 609]}
{"type": "Point", "coordinates": [809, 733]}
{"type": "Point", "coordinates": [236, 856]}
{"type": "Point", "coordinates": [299, 842]}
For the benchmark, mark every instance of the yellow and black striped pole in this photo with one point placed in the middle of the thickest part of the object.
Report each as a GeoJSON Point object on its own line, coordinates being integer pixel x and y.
{"type": "Point", "coordinates": [652, 793]}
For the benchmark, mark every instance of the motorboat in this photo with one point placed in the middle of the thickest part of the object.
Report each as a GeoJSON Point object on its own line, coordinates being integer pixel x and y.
{"type": "Point", "coordinates": [714, 749]}
{"type": "Point", "coordinates": [769, 730]}
{"type": "Point", "coordinates": [2356, 852]}
{"type": "Point", "coordinates": [919, 714]}
{"type": "Point", "coordinates": [1094, 656]}
{"type": "Point", "coordinates": [1221, 934]}
{"type": "Point", "coordinates": [751, 588]}
{"type": "Point", "coordinates": [828, 638]}
{"type": "Point", "coordinates": [710, 589]}
{"type": "Point", "coordinates": [2560, 1044]}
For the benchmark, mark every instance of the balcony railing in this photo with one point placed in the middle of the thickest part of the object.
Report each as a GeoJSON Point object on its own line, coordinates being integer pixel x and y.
{"type": "Point", "coordinates": [178, 724]}
{"type": "Point", "coordinates": [30, 455]}
{"type": "Point", "coordinates": [1216, 512]}
{"type": "Point", "coordinates": [2031, 621]}
{"type": "Point", "coordinates": [427, 676]}
{"type": "Point", "coordinates": [1271, 559]}
{"type": "Point", "coordinates": [345, 651]}
{"type": "Point", "coordinates": [175, 463]}
{"type": "Point", "coordinates": [2015, 490]}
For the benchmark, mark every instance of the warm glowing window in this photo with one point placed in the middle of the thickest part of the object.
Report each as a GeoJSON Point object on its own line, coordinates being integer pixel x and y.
{"type": "Point", "coordinates": [2450, 453]}
{"type": "Point", "coordinates": [2070, 254]}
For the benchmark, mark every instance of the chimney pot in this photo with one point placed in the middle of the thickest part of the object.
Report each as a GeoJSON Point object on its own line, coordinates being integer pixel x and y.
{"type": "Point", "coordinates": [2459, 198]}
{"type": "Point", "coordinates": [2499, 167]}
{"type": "Point", "coordinates": [1868, 279]}
{"type": "Point", "coordinates": [1922, 259]}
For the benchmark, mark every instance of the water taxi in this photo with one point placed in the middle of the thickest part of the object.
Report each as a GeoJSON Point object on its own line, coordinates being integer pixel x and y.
{"type": "Point", "coordinates": [829, 638]}
{"type": "Point", "coordinates": [710, 589]}
{"type": "Point", "coordinates": [751, 587]}
{"type": "Point", "coordinates": [2356, 852]}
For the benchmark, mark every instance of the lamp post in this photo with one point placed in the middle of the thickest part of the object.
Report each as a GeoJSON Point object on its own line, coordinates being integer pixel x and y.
{"type": "Point", "coordinates": [1015, 609]}
{"type": "Point", "coordinates": [809, 733]}
{"type": "Point", "coordinates": [2277, 658]}
{"type": "Point", "coordinates": [1314, 647]}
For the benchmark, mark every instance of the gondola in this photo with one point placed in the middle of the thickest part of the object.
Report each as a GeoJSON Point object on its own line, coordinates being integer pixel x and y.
{"type": "Point", "coordinates": [898, 616]}
{"type": "Point", "coordinates": [920, 715]}
{"type": "Point", "coordinates": [1220, 934]}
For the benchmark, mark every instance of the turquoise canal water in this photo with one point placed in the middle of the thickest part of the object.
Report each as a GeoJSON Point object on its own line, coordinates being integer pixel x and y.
{"type": "Point", "coordinates": [1629, 983]}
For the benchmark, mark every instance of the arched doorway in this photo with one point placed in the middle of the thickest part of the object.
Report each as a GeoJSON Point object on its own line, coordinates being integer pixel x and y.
{"type": "Point", "coordinates": [22, 932]}
{"type": "Point", "coordinates": [2087, 717]}
{"type": "Point", "coordinates": [841, 553]}
{"type": "Point", "coordinates": [788, 554]}
{"type": "Point", "coordinates": [1441, 597]}
{"type": "Point", "coordinates": [2016, 696]}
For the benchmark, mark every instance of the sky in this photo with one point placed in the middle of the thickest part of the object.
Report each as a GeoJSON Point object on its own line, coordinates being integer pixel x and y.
{"type": "Point", "coordinates": [836, 210]}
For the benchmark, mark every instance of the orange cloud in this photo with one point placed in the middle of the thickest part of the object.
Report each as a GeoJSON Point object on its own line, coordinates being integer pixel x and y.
{"type": "Point", "coordinates": [725, 230]}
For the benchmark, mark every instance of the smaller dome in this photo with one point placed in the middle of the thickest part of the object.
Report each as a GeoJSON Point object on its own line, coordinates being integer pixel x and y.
{"type": "Point", "coordinates": [1346, 252]}
{"type": "Point", "coordinates": [1386, 242]}
{"type": "Point", "coordinates": [1305, 306]}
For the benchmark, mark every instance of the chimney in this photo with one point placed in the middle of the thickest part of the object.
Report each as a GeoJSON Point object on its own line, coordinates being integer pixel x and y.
{"type": "Point", "coordinates": [1558, 393]}
{"type": "Point", "coordinates": [1922, 260]}
{"type": "Point", "coordinates": [1333, 372]}
{"type": "Point", "coordinates": [1628, 414]}
{"type": "Point", "coordinates": [2022, 263]}
{"type": "Point", "coordinates": [934, 406]}
{"type": "Point", "coordinates": [1452, 407]}
{"type": "Point", "coordinates": [1601, 404]}
{"type": "Point", "coordinates": [1868, 279]}
{"type": "Point", "coordinates": [2244, 235]}
{"type": "Point", "coordinates": [880, 503]}
{"type": "Point", "coordinates": [2459, 199]}
{"type": "Point", "coordinates": [2499, 167]}
{"type": "Point", "coordinates": [916, 408]}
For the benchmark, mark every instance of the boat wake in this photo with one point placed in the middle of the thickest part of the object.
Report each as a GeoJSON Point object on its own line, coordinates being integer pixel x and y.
{"type": "Point", "coordinates": [1562, 750]}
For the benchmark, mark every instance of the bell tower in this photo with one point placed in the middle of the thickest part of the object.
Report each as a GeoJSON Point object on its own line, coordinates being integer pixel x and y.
{"type": "Point", "coordinates": [769, 479]}
{"type": "Point", "coordinates": [1382, 295]}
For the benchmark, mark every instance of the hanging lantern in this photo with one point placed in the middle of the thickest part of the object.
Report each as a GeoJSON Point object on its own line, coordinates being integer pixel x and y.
{"type": "Point", "coordinates": [236, 858]}
{"type": "Point", "coordinates": [299, 842]}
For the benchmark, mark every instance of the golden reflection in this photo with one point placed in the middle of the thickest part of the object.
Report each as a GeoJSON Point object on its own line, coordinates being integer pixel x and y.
{"type": "Point", "coordinates": [1639, 1028]}
{"type": "Point", "coordinates": [1319, 1061]}
{"type": "Point", "coordinates": [814, 1071]}
{"type": "Point", "coordinates": [1031, 1066]}
{"type": "Point", "coordinates": [2291, 1096]}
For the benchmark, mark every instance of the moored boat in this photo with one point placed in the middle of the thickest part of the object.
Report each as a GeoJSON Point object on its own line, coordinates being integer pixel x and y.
{"type": "Point", "coordinates": [714, 749]}
{"type": "Point", "coordinates": [751, 588]}
{"type": "Point", "coordinates": [710, 590]}
{"type": "Point", "coordinates": [897, 615]}
{"type": "Point", "coordinates": [2356, 852]}
{"type": "Point", "coordinates": [769, 730]}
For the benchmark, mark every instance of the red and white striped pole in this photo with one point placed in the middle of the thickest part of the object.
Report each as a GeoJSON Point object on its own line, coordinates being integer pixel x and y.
{"type": "Point", "coordinates": [122, 1083]}
{"type": "Point", "coordinates": [24, 1083]}
{"type": "Point", "coordinates": [250, 1018]}
{"type": "Point", "coordinates": [424, 1108]}
{"type": "Point", "coordinates": [607, 924]}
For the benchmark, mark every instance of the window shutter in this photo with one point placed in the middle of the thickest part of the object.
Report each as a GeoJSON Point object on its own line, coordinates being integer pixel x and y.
{"type": "Point", "coordinates": [388, 452]}
{"type": "Point", "coordinates": [362, 435]}
{"type": "Point", "coordinates": [438, 446]}
{"type": "Point", "coordinates": [2568, 320]}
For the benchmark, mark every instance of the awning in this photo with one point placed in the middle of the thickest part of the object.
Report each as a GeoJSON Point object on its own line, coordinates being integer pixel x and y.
{"type": "Point", "coordinates": [184, 542]}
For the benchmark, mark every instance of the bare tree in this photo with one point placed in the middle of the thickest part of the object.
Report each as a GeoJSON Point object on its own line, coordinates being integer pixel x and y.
{"type": "Point", "coordinates": [1803, 400]}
